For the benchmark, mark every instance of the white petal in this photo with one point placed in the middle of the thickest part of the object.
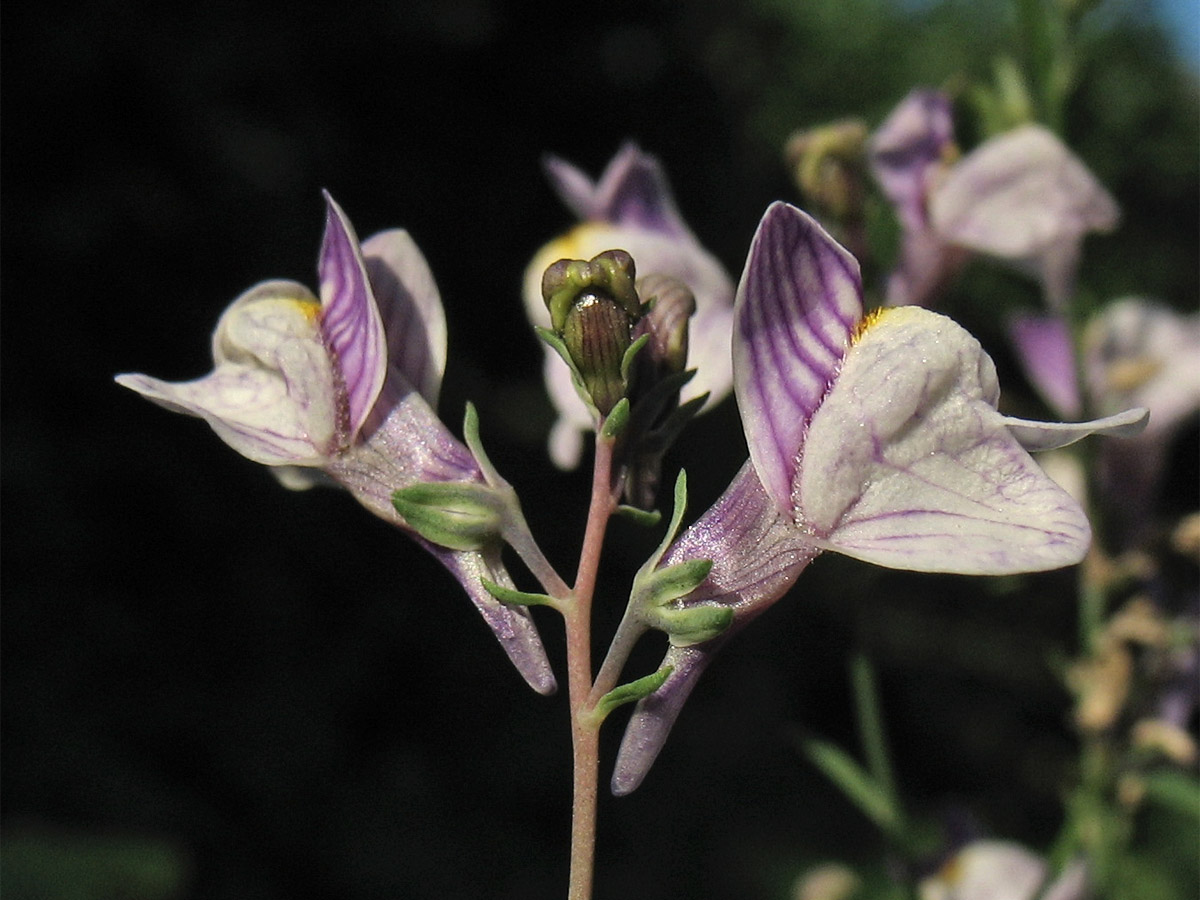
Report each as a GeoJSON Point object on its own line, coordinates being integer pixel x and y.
{"type": "Point", "coordinates": [909, 465]}
{"type": "Point", "coordinates": [1036, 436]}
{"type": "Point", "coordinates": [271, 395]}
{"type": "Point", "coordinates": [411, 307]}
{"type": "Point", "coordinates": [1018, 194]}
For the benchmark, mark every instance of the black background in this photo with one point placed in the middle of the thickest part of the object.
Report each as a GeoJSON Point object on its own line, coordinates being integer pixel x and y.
{"type": "Point", "coordinates": [284, 690]}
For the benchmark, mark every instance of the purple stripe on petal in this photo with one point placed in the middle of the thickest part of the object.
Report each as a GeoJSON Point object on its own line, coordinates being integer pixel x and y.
{"type": "Point", "coordinates": [350, 320]}
{"type": "Point", "coordinates": [798, 303]}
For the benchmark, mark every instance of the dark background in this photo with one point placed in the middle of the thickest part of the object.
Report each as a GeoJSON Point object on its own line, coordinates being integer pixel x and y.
{"type": "Point", "coordinates": [215, 688]}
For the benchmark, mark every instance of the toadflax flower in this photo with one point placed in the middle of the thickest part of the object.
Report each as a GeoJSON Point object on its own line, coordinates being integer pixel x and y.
{"type": "Point", "coordinates": [343, 388]}
{"type": "Point", "coordinates": [1021, 197]}
{"type": "Point", "coordinates": [631, 208]}
{"type": "Point", "coordinates": [877, 437]}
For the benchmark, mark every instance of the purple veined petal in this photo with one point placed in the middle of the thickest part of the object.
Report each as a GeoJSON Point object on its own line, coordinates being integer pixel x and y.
{"type": "Point", "coordinates": [410, 445]}
{"type": "Point", "coordinates": [271, 395]}
{"type": "Point", "coordinates": [907, 148]}
{"type": "Point", "coordinates": [909, 465]}
{"type": "Point", "coordinates": [1038, 436]}
{"type": "Point", "coordinates": [632, 192]}
{"type": "Point", "coordinates": [410, 306]}
{"type": "Point", "coordinates": [350, 319]}
{"type": "Point", "coordinates": [798, 303]}
{"type": "Point", "coordinates": [1047, 353]}
{"type": "Point", "coordinates": [757, 555]}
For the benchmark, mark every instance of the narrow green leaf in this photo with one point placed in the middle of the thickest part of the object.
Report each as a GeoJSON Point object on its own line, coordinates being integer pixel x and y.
{"type": "Point", "coordinates": [646, 517]}
{"type": "Point", "coordinates": [871, 730]}
{"type": "Point", "coordinates": [513, 596]}
{"type": "Point", "coordinates": [616, 420]}
{"type": "Point", "coordinates": [455, 514]}
{"type": "Point", "coordinates": [664, 585]}
{"type": "Point", "coordinates": [632, 692]}
{"type": "Point", "coordinates": [688, 625]}
{"type": "Point", "coordinates": [854, 782]}
{"type": "Point", "coordinates": [630, 355]}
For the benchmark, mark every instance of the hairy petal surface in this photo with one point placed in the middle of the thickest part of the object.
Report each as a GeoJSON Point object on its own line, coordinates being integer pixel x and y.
{"type": "Point", "coordinates": [909, 465]}
{"type": "Point", "coordinates": [273, 394]}
{"type": "Point", "coordinates": [757, 555]}
{"type": "Point", "coordinates": [798, 303]}
{"type": "Point", "coordinates": [350, 321]}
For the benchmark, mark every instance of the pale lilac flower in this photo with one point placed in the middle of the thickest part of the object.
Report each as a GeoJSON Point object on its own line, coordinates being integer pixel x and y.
{"type": "Point", "coordinates": [1021, 197]}
{"type": "Point", "coordinates": [1143, 353]}
{"type": "Point", "coordinates": [907, 155]}
{"type": "Point", "coordinates": [1024, 198]}
{"type": "Point", "coordinates": [1002, 870]}
{"type": "Point", "coordinates": [343, 388]}
{"type": "Point", "coordinates": [875, 437]}
{"type": "Point", "coordinates": [631, 208]}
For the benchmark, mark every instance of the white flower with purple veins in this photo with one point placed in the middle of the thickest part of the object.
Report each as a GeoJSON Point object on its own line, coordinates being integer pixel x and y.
{"type": "Point", "coordinates": [631, 208]}
{"type": "Point", "coordinates": [875, 437]}
{"type": "Point", "coordinates": [1021, 197]}
{"type": "Point", "coordinates": [343, 388]}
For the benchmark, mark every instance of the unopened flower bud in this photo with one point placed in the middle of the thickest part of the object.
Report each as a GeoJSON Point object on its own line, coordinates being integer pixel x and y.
{"type": "Point", "coordinates": [828, 164]}
{"type": "Point", "coordinates": [669, 307]}
{"type": "Point", "coordinates": [611, 273]}
{"type": "Point", "coordinates": [596, 332]}
{"type": "Point", "coordinates": [593, 306]}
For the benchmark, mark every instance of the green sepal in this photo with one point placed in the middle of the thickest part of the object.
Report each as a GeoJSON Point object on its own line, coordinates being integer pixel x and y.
{"type": "Point", "coordinates": [559, 346]}
{"type": "Point", "coordinates": [616, 420]}
{"type": "Point", "coordinates": [646, 517]}
{"type": "Point", "coordinates": [514, 597]}
{"type": "Point", "coordinates": [631, 692]}
{"type": "Point", "coordinates": [630, 356]}
{"type": "Point", "coordinates": [677, 511]}
{"type": "Point", "coordinates": [455, 514]}
{"type": "Point", "coordinates": [687, 625]}
{"type": "Point", "coordinates": [664, 585]}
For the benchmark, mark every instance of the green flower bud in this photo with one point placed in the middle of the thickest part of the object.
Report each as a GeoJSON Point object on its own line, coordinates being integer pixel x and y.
{"type": "Point", "coordinates": [593, 306]}
{"type": "Point", "coordinates": [669, 307]}
{"type": "Point", "coordinates": [828, 165]}
{"type": "Point", "coordinates": [455, 514]}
